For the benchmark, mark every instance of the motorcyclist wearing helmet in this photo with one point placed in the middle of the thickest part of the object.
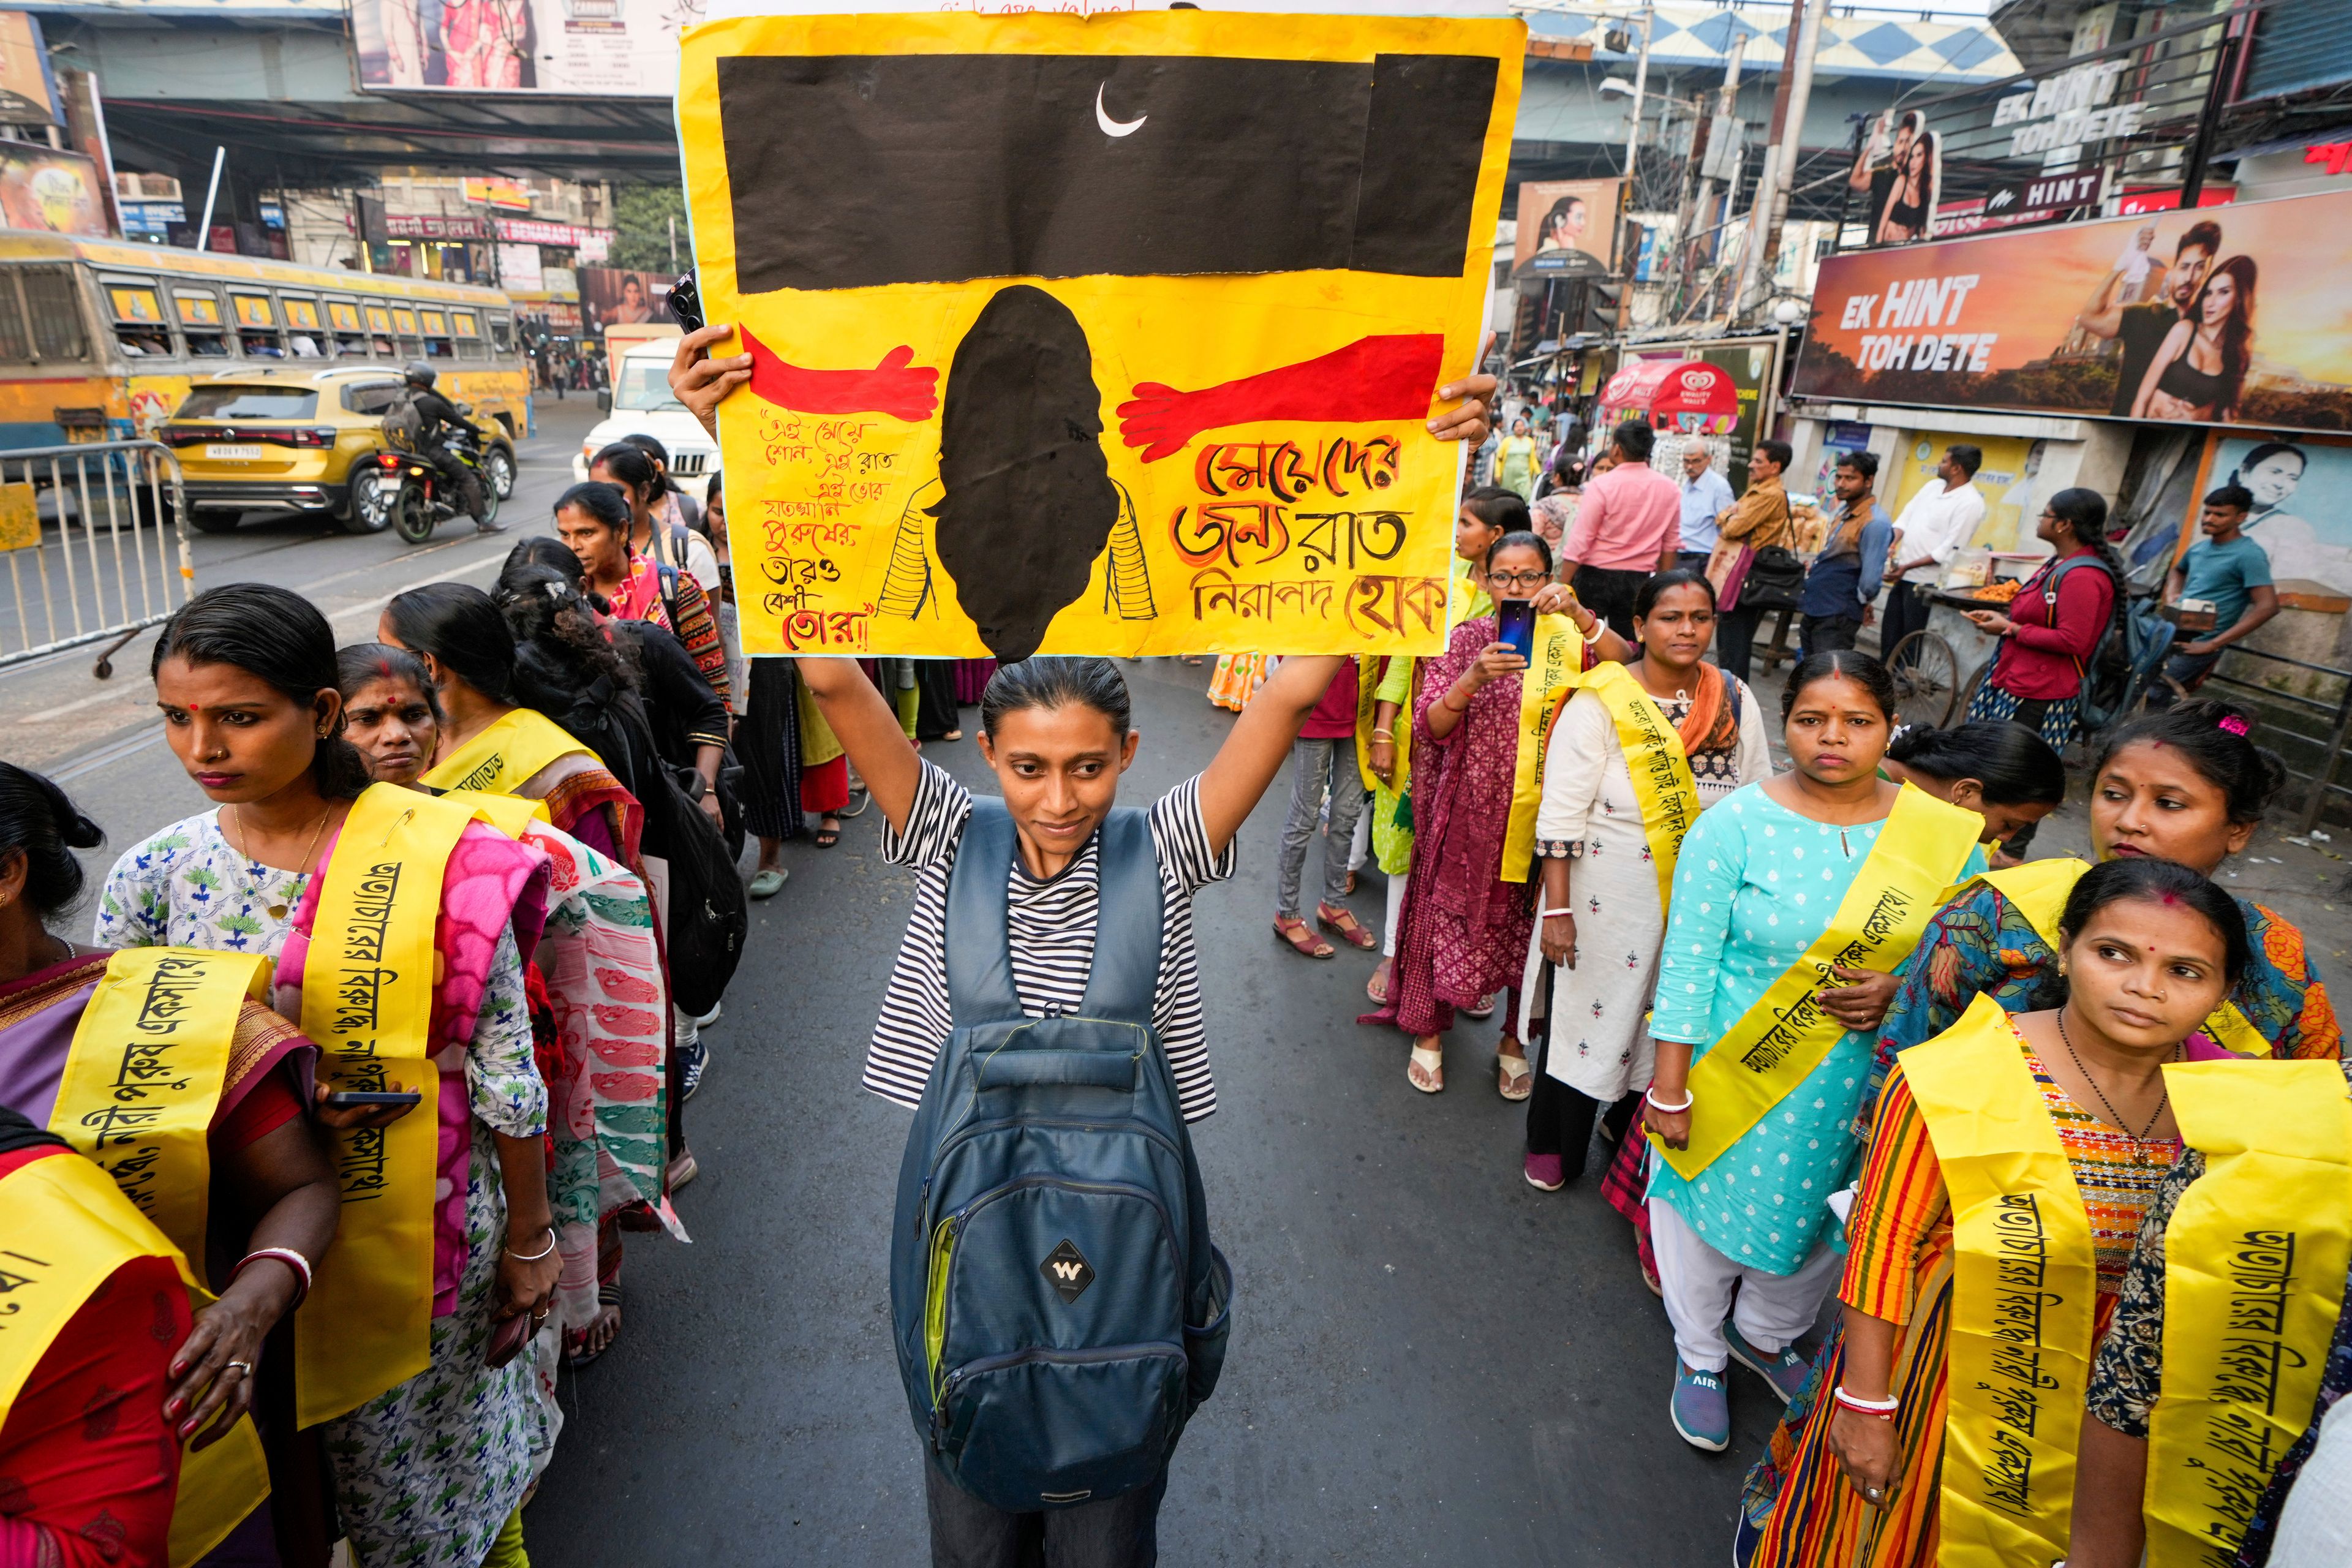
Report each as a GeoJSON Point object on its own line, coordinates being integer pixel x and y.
{"type": "Point", "coordinates": [437, 420]}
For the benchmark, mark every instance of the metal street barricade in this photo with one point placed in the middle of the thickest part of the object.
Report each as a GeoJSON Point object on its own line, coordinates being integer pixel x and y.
{"type": "Point", "coordinates": [96, 548]}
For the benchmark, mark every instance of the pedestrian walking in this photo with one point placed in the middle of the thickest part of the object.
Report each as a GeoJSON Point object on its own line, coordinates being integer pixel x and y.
{"type": "Point", "coordinates": [1323, 770]}
{"type": "Point", "coordinates": [1705, 496]}
{"type": "Point", "coordinates": [1628, 526]}
{"type": "Point", "coordinates": [1936, 525]}
{"type": "Point", "coordinates": [1478, 733]}
{"type": "Point", "coordinates": [1607, 835]}
{"type": "Point", "coordinates": [1757, 522]}
{"type": "Point", "coordinates": [595, 521]}
{"type": "Point", "coordinates": [1850, 568]}
{"type": "Point", "coordinates": [2056, 622]}
{"type": "Point", "coordinates": [1905, 1394]}
{"type": "Point", "coordinates": [1806, 863]}
{"type": "Point", "coordinates": [1055, 733]}
{"type": "Point", "coordinates": [429, 1407]}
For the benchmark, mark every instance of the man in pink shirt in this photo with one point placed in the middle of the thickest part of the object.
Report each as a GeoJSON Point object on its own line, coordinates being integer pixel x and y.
{"type": "Point", "coordinates": [1628, 526]}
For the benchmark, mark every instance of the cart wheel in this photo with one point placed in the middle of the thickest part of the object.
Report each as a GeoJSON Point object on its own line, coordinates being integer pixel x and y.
{"type": "Point", "coordinates": [103, 669]}
{"type": "Point", "coordinates": [1927, 680]}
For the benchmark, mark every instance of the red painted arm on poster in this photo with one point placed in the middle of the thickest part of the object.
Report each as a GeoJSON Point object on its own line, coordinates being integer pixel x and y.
{"type": "Point", "coordinates": [1370, 379]}
{"type": "Point", "coordinates": [891, 388]}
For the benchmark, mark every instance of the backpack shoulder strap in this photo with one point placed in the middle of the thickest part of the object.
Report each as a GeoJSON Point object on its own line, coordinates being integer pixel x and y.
{"type": "Point", "coordinates": [979, 956]}
{"type": "Point", "coordinates": [1126, 975]}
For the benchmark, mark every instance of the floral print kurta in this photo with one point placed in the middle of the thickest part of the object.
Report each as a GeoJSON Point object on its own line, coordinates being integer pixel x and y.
{"type": "Point", "coordinates": [425, 1474]}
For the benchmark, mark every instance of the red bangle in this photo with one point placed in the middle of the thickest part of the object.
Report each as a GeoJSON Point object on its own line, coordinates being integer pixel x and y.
{"type": "Point", "coordinates": [1883, 1409]}
{"type": "Point", "coordinates": [288, 1256]}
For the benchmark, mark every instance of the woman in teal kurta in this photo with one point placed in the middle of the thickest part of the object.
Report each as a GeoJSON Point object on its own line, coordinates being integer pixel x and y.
{"type": "Point", "coordinates": [1755, 881]}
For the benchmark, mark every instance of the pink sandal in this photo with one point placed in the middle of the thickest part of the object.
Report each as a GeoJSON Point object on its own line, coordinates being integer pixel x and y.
{"type": "Point", "coordinates": [1301, 937]}
{"type": "Point", "coordinates": [1344, 924]}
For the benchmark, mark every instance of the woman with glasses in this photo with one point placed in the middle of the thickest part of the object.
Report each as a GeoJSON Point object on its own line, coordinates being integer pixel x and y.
{"type": "Point", "coordinates": [1479, 723]}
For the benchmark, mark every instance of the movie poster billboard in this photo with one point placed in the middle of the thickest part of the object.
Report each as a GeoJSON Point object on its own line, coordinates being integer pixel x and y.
{"type": "Point", "coordinates": [603, 48]}
{"type": "Point", "coordinates": [2303, 507]}
{"type": "Point", "coordinates": [2218, 316]}
{"type": "Point", "coordinates": [1899, 177]}
{"type": "Point", "coordinates": [51, 191]}
{"type": "Point", "coordinates": [1112, 334]}
{"type": "Point", "coordinates": [1567, 228]}
{"type": "Point", "coordinates": [613, 298]}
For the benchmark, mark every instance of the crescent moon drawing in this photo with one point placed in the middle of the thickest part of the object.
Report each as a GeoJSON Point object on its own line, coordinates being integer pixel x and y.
{"type": "Point", "coordinates": [1112, 127]}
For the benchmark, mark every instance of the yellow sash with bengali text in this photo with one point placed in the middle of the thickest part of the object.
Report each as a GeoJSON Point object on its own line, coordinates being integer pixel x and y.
{"type": "Point", "coordinates": [144, 1074]}
{"type": "Point", "coordinates": [505, 756]}
{"type": "Point", "coordinates": [1784, 1035]}
{"type": "Point", "coordinates": [1544, 685]}
{"type": "Point", "coordinates": [512, 815]}
{"type": "Point", "coordinates": [1655, 759]}
{"type": "Point", "coordinates": [367, 1001]}
{"type": "Point", "coordinates": [69, 1229]}
{"type": "Point", "coordinates": [2255, 1262]}
{"type": "Point", "coordinates": [2040, 889]}
{"type": "Point", "coordinates": [2025, 1282]}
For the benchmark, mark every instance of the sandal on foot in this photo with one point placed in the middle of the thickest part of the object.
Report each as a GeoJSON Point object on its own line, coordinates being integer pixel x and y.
{"type": "Point", "coordinates": [1432, 1066]}
{"type": "Point", "coordinates": [1484, 1010]}
{"type": "Point", "coordinates": [1376, 987]}
{"type": "Point", "coordinates": [952, 735]}
{"type": "Point", "coordinates": [826, 838]}
{"type": "Point", "coordinates": [1513, 1086]}
{"type": "Point", "coordinates": [766, 882]}
{"type": "Point", "coordinates": [1344, 924]}
{"type": "Point", "coordinates": [1301, 937]}
{"type": "Point", "coordinates": [608, 1300]}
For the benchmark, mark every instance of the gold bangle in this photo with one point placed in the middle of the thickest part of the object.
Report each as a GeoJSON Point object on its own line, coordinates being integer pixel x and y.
{"type": "Point", "coordinates": [1383, 735]}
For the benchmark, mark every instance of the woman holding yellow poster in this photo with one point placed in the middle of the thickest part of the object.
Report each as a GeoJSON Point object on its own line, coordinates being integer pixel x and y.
{"type": "Point", "coordinates": [397, 922]}
{"type": "Point", "coordinates": [159, 1065]}
{"type": "Point", "coordinates": [1639, 750]}
{"type": "Point", "coordinates": [2011, 1162]}
{"type": "Point", "coordinates": [1780, 885]}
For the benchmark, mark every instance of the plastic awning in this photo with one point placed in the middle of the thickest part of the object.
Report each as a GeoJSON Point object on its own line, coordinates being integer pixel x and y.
{"type": "Point", "coordinates": [1688, 396]}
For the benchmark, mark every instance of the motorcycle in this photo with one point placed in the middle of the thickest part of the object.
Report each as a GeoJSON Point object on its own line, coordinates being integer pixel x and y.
{"type": "Point", "coordinates": [416, 496]}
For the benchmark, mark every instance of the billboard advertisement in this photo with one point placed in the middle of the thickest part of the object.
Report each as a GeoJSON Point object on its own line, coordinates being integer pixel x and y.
{"type": "Point", "coordinates": [27, 92]}
{"type": "Point", "coordinates": [56, 192]}
{"type": "Point", "coordinates": [2221, 316]}
{"type": "Point", "coordinates": [613, 298]}
{"type": "Point", "coordinates": [607, 48]}
{"type": "Point", "coordinates": [2303, 507]}
{"type": "Point", "coordinates": [1567, 228]}
{"type": "Point", "coordinates": [1899, 174]}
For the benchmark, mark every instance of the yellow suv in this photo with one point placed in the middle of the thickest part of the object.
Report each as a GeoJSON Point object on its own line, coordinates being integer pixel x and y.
{"type": "Point", "coordinates": [287, 440]}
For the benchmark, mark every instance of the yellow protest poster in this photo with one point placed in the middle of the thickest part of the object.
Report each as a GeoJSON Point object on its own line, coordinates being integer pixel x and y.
{"type": "Point", "coordinates": [1111, 335]}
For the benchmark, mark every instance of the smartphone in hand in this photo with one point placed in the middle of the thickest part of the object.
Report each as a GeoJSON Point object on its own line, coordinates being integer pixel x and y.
{"type": "Point", "coordinates": [361, 1100]}
{"type": "Point", "coordinates": [1515, 623]}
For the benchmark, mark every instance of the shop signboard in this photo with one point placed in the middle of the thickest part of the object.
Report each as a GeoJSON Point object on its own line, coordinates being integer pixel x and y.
{"type": "Point", "coordinates": [27, 91]}
{"type": "Point", "coordinates": [59, 192]}
{"type": "Point", "coordinates": [613, 298]}
{"type": "Point", "coordinates": [603, 48]}
{"type": "Point", "coordinates": [2151, 318]}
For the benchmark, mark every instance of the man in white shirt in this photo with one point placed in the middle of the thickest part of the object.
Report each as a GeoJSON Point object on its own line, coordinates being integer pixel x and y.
{"type": "Point", "coordinates": [1940, 518]}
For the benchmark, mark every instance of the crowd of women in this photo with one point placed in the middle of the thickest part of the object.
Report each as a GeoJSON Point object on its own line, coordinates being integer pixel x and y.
{"type": "Point", "coordinates": [1821, 1047]}
{"type": "Point", "coordinates": [378, 1061]}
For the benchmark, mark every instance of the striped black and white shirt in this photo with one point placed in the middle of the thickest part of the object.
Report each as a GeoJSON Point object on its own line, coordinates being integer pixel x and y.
{"type": "Point", "coordinates": [1050, 926]}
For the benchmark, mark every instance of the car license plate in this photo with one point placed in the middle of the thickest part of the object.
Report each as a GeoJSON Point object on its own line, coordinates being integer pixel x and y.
{"type": "Point", "coordinates": [218, 450]}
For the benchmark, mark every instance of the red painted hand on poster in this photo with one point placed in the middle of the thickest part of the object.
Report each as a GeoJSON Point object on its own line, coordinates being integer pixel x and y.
{"type": "Point", "coordinates": [891, 388]}
{"type": "Point", "coordinates": [1370, 379]}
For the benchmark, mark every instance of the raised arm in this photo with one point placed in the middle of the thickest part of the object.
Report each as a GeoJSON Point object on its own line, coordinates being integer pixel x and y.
{"type": "Point", "coordinates": [1245, 765]}
{"type": "Point", "coordinates": [869, 731]}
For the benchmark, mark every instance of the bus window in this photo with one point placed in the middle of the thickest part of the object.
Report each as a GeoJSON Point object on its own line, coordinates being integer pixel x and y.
{"type": "Point", "coordinates": [256, 326]}
{"type": "Point", "coordinates": [468, 328]}
{"type": "Point", "coordinates": [404, 320]}
{"type": "Point", "coordinates": [140, 330]}
{"type": "Point", "coordinates": [302, 321]}
{"type": "Point", "coordinates": [201, 325]}
{"type": "Point", "coordinates": [16, 343]}
{"type": "Point", "coordinates": [379, 320]}
{"type": "Point", "coordinates": [53, 305]}
{"type": "Point", "coordinates": [350, 339]}
{"type": "Point", "coordinates": [502, 336]}
{"type": "Point", "coordinates": [437, 334]}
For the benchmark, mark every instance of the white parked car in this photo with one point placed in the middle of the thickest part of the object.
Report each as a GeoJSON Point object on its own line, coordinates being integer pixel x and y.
{"type": "Point", "coordinates": [642, 405]}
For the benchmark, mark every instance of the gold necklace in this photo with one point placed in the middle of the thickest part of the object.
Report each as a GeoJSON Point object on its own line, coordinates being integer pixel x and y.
{"type": "Point", "coordinates": [275, 911]}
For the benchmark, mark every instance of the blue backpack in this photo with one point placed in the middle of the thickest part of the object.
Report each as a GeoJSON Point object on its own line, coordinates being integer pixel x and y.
{"type": "Point", "coordinates": [1059, 1310]}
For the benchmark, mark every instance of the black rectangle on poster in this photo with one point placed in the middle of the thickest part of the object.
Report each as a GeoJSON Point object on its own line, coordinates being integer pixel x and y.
{"type": "Point", "coordinates": [855, 171]}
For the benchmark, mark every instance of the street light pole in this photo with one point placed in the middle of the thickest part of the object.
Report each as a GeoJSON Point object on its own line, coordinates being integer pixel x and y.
{"type": "Point", "coordinates": [1779, 155]}
{"type": "Point", "coordinates": [1641, 82]}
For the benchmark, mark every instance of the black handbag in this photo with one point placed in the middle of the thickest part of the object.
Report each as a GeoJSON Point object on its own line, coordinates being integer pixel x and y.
{"type": "Point", "coordinates": [1775, 574]}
